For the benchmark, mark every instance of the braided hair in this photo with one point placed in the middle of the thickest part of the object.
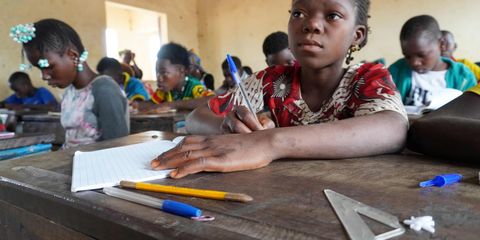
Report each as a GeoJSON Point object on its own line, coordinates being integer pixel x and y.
{"type": "Point", "coordinates": [362, 8]}
{"type": "Point", "coordinates": [54, 35]}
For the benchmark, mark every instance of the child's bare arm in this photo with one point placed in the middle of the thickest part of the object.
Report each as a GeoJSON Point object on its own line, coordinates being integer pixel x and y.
{"type": "Point", "coordinates": [379, 133]}
{"type": "Point", "coordinates": [204, 122]}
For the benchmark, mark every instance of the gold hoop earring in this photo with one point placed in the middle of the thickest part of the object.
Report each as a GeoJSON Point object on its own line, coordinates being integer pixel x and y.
{"type": "Point", "coordinates": [351, 50]}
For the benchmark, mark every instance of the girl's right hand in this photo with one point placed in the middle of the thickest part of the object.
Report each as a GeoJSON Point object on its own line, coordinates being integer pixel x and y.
{"type": "Point", "coordinates": [241, 120]}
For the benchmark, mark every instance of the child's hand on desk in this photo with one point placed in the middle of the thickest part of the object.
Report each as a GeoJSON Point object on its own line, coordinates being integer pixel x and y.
{"type": "Point", "coordinates": [240, 120]}
{"type": "Point", "coordinates": [220, 153]}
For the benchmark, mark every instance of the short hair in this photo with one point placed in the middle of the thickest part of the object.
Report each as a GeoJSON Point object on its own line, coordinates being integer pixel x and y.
{"type": "Point", "coordinates": [109, 64]}
{"type": "Point", "coordinates": [19, 78]}
{"type": "Point", "coordinates": [54, 35]}
{"type": "Point", "coordinates": [446, 33]}
{"type": "Point", "coordinates": [248, 70]}
{"type": "Point", "coordinates": [418, 25]}
{"type": "Point", "coordinates": [235, 59]}
{"type": "Point", "coordinates": [176, 53]}
{"type": "Point", "coordinates": [274, 43]}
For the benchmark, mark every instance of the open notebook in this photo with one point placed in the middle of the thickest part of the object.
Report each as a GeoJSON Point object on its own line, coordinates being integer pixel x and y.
{"type": "Point", "coordinates": [107, 167]}
{"type": "Point", "coordinates": [439, 98]}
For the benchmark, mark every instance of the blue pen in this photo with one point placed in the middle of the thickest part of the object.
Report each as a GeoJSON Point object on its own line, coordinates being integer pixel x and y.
{"type": "Point", "coordinates": [173, 207]}
{"type": "Point", "coordinates": [236, 77]}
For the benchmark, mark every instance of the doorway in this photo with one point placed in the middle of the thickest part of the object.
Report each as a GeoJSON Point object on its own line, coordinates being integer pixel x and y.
{"type": "Point", "coordinates": [140, 30]}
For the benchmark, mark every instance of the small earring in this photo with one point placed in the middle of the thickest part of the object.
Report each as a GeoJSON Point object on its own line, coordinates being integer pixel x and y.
{"type": "Point", "coordinates": [351, 50]}
{"type": "Point", "coordinates": [78, 64]}
{"type": "Point", "coordinates": [80, 60]}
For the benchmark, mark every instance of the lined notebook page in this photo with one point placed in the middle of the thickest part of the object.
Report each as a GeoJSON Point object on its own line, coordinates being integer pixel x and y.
{"type": "Point", "coordinates": [107, 167]}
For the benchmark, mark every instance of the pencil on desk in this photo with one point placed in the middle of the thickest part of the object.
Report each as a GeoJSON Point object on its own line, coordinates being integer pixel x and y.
{"type": "Point", "coordinates": [218, 195]}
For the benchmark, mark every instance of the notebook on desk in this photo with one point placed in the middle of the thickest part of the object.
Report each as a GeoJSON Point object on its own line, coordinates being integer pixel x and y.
{"type": "Point", "coordinates": [107, 167]}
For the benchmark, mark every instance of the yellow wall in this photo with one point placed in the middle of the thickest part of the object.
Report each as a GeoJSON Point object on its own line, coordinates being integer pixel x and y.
{"type": "Point", "coordinates": [27, 11]}
{"type": "Point", "coordinates": [138, 30]}
{"type": "Point", "coordinates": [388, 16]}
{"type": "Point", "coordinates": [239, 27]}
{"type": "Point", "coordinates": [88, 18]}
{"type": "Point", "coordinates": [215, 27]}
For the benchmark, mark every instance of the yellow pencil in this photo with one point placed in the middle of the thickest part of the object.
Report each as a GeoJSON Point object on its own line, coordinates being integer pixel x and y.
{"type": "Point", "coordinates": [239, 197]}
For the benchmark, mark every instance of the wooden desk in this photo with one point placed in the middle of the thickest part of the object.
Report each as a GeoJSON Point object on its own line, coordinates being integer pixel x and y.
{"type": "Point", "coordinates": [16, 116]}
{"type": "Point", "coordinates": [158, 122]}
{"type": "Point", "coordinates": [289, 202]}
{"type": "Point", "coordinates": [25, 139]}
{"type": "Point", "coordinates": [44, 123]}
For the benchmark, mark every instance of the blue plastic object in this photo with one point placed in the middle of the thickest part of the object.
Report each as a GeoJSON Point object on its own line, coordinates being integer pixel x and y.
{"type": "Point", "coordinates": [442, 180]}
{"type": "Point", "coordinates": [180, 209]}
{"type": "Point", "coordinates": [21, 151]}
{"type": "Point", "coordinates": [233, 69]}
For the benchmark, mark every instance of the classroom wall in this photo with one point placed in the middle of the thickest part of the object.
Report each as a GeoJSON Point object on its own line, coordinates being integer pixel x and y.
{"type": "Point", "coordinates": [239, 27]}
{"type": "Point", "coordinates": [181, 19]}
{"type": "Point", "coordinates": [214, 27]}
{"type": "Point", "coordinates": [388, 16]}
{"type": "Point", "coordinates": [88, 17]}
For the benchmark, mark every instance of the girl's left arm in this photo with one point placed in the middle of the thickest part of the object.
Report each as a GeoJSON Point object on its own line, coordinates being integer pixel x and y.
{"type": "Point", "coordinates": [379, 133]}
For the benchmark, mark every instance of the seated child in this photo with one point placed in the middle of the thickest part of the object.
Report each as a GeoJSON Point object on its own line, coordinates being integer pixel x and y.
{"type": "Point", "coordinates": [449, 46]}
{"type": "Point", "coordinates": [275, 48]}
{"type": "Point", "coordinates": [196, 70]}
{"type": "Point", "coordinates": [248, 70]}
{"type": "Point", "coordinates": [127, 69]}
{"type": "Point", "coordinates": [228, 83]}
{"type": "Point", "coordinates": [132, 86]}
{"type": "Point", "coordinates": [28, 96]}
{"type": "Point", "coordinates": [319, 109]}
{"type": "Point", "coordinates": [128, 57]}
{"type": "Point", "coordinates": [452, 131]}
{"type": "Point", "coordinates": [176, 89]}
{"type": "Point", "coordinates": [423, 71]}
{"type": "Point", "coordinates": [93, 107]}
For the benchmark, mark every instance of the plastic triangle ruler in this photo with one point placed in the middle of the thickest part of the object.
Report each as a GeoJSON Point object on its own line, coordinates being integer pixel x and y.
{"type": "Point", "coordinates": [348, 211]}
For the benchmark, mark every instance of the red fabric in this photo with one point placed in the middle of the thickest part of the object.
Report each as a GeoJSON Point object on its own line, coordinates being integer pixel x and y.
{"type": "Point", "coordinates": [370, 83]}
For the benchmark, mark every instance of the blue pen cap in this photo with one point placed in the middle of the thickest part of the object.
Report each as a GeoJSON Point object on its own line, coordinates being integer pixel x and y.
{"type": "Point", "coordinates": [442, 180]}
{"type": "Point", "coordinates": [181, 209]}
{"type": "Point", "coordinates": [231, 64]}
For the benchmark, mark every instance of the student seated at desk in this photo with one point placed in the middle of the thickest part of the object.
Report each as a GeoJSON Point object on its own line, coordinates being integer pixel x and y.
{"type": "Point", "coordinates": [93, 107]}
{"type": "Point", "coordinates": [132, 86]}
{"type": "Point", "coordinates": [127, 69]}
{"type": "Point", "coordinates": [319, 109]}
{"type": "Point", "coordinates": [423, 71]}
{"type": "Point", "coordinates": [452, 131]}
{"type": "Point", "coordinates": [196, 70]}
{"type": "Point", "coordinates": [275, 48]}
{"type": "Point", "coordinates": [28, 96]}
{"type": "Point", "coordinates": [449, 46]}
{"type": "Point", "coordinates": [176, 89]}
{"type": "Point", "coordinates": [228, 83]}
{"type": "Point", "coordinates": [128, 57]}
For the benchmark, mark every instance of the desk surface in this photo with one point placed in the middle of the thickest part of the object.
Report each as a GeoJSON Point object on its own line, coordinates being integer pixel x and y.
{"type": "Point", "coordinates": [42, 117]}
{"type": "Point", "coordinates": [173, 114]}
{"type": "Point", "coordinates": [26, 139]}
{"type": "Point", "coordinates": [288, 199]}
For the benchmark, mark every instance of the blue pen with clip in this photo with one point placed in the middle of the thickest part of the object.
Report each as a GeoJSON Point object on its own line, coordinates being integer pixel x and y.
{"type": "Point", "coordinates": [173, 207]}
{"type": "Point", "coordinates": [236, 78]}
